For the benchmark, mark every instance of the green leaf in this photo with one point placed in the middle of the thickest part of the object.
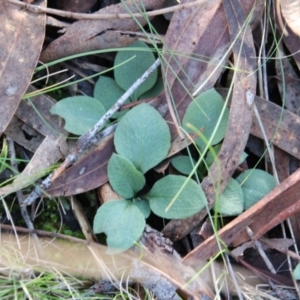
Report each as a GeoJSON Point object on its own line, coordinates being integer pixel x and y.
{"type": "Point", "coordinates": [184, 164]}
{"type": "Point", "coordinates": [122, 222]}
{"type": "Point", "coordinates": [189, 201]}
{"type": "Point", "coordinates": [243, 157]}
{"type": "Point", "coordinates": [155, 90]}
{"type": "Point", "coordinates": [143, 205]}
{"type": "Point", "coordinates": [143, 137]}
{"type": "Point", "coordinates": [129, 72]}
{"type": "Point", "coordinates": [108, 93]}
{"type": "Point", "coordinates": [211, 157]}
{"type": "Point", "coordinates": [231, 201]}
{"type": "Point", "coordinates": [296, 272]}
{"type": "Point", "coordinates": [81, 113]}
{"type": "Point", "coordinates": [123, 176]}
{"type": "Point", "coordinates": [203, 114]}
{"type": "Point", "coordinates": [255, 184]}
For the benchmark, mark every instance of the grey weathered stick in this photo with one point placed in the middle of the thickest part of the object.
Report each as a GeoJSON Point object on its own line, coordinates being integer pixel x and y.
{"type": "Point", "coordinates": [82, 16]}
{"type": "Point", "coordinates": [87, 139]}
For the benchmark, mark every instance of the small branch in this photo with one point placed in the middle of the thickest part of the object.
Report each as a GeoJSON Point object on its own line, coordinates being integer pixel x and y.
{"type": "Point", "coordinates": [88, 139]}
{"type": "Point", "coordinates": [80, 16]}
{"type": "Point", "coordinates": [24, 212]}
{"type": "Point", "coordinates": [14, 165]}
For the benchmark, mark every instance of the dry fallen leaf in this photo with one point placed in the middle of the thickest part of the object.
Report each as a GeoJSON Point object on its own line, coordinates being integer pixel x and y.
{"type": "Point", "coordinates": [21, 40]}
{"type": "Point", "coordinates": [291, 12]}
{"type": "Point", "coordinates": [47, 139]}
{"type": "Point", "coordinates": [88, 173]}
{"type": "Point", "coordinates": [88, 35]}
{"type": "Point", "coordinates": [274, 208]}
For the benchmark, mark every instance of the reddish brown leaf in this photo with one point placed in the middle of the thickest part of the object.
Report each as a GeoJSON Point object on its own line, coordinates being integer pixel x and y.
{"type": "Point", "coordinates": [88, 35]}
{"type": "Point", "coordinates": [268, 276]}
{"type": "Point", "coordinates": [287, 131]}
{"type": "Point", "coordinates": [21, 40]}
{"type": "Point", "coordinates": [88, 173]}
{"type": "Point", "coordinates": [273, 209]}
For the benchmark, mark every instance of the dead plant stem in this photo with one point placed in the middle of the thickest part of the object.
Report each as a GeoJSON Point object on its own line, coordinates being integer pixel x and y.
{"type": "Point", "coordinates": [81, 16]}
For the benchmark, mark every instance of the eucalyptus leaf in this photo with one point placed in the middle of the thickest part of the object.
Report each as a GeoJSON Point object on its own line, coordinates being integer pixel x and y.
{"type": "Point", "coordinates": [143, 205]}
{"type": "Point", "coordinates": [123, 176]}
{"type": "Point", "coordinates": [143, 137]}
{"type": "Point", "coordinates": [231, 201]}
{"type": "Point", "coordinates": [122, 222]}
{"type": "Point", "coordinates": [81, 113]}
{"type": "Point", "coordinates": [184, 164]}
{"type": "Point", "coordinates": [203, 114]}
{"type": "Point", "coordinates": [129, 72]}
{"type": "Point", "coordinates": [188, 202]}
{"type": "Point", "coordinates": [255, 184]}
{"type": "Point", "coordinates": [108, 93]}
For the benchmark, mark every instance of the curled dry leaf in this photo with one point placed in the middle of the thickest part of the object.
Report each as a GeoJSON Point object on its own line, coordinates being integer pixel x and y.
{"type": "Point", "coordinates": [48, 139]}
{"type": "Point", "coordinates": [88, 35]}
{"type": "Point", "coordinates": [291, 12]}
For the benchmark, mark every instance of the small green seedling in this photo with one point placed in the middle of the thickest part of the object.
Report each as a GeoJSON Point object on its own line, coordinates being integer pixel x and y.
{"type": "Point", "coordinates": [255, 184]}
{"type": "Point", "coordinates": [208, 114]}
{"type": "Point", "coordinates": [81, 113]}
{"type": "Point", "coordinates": [142, 140]}
{"type": "Point", "coordinates": [296, 272]}
{"type": "Point", "coordinates": [203, 114]}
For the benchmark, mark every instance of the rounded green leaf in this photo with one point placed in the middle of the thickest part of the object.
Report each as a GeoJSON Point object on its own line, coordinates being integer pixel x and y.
{"type": "Point", "coordinates": [123, 176]}
{"type": "Point", "coordinates": [243, 157]}
{"type": "Point", "coordinates": [212, 155]}
{"type": "Point", "coordinates": [231, 201]}
{"type": "Point", "coordinates": [108, 93]}
{"type": "Point", "coordinates": [155, 90]}
{"type": "Point", "coordinates": [122, 222]}
{"type": "Point", "coordinates": [296, 272]}
{"type": "Point", "coordinates": [143, 137]}
{"type": "Point", "coordinates": [184, 164]}
{"type": "Point", "coordinates": [81, 113]}
{"type": "Point", "coordinates": [126, 74]}
{"type": "Point", "coordinates": [143, 205]}
{"type": "Point", "coordinates": [255, 184]}
{"type": "Point", "coordinates": [203, 114]}
{"type": "Point", "coordinates": [190, 200]}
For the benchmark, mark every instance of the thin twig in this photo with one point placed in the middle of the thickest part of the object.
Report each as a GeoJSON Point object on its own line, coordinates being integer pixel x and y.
{"type": "Point", "coordinates": [80, 16]}
{"type": "Point", "coordinates": [261, 251]}
{"type": "Point", "coordinates": [233, 277]}
{"type": "Point", "coordinates": [24, 212]}
{"type": "Point", "coordinates": [14, 165]}
{"type": "Point", "coordinates": [88, 139]}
